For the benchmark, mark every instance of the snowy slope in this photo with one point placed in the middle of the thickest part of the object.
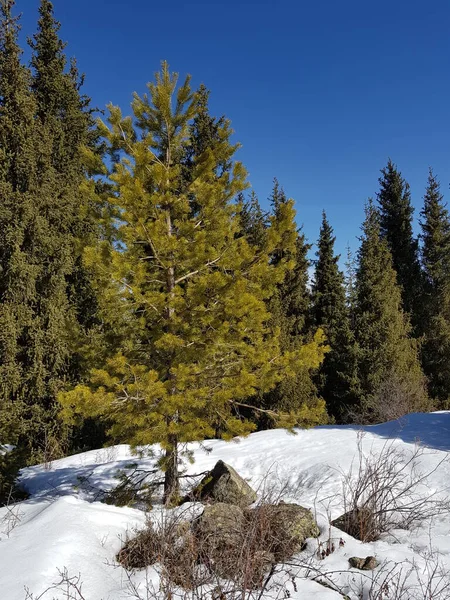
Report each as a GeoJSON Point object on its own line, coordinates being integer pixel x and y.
{"type": "Point", "coordinates": [64, 525]}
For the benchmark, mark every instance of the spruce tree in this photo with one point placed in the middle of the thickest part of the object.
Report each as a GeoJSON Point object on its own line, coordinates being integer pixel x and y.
{"type": "Point", "coordinates": [290, 307]}
{"type": "Point", "coordinates": [254, 222]}
{"type": "Point", "coordinates": [391, 378]}
{"type": "Point", "coordinates": [65, 114]}
{"type": "Point", "coordinates": [65, 117]}
{"type": "Point", "coordinates": [396, 215]}
{"type": "Point", "coordinates": [17, 274]}
{"type": "Point", "coordinates": [192, 288]}
{"type": "Point", "coordinates": [35, 259]}
{"type": "Point", "coordinates": [337, 378]}
{"type": "Point", "coordinates": [205, 133]}
{"type": "Point", "coordinates": [435, 224]}
{"type": "Point", "coordinates": [59, 103]}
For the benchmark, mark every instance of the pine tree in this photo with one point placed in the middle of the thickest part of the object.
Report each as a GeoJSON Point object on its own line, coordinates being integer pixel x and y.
{"type": "Point", "coordinates": [338, 378]}
{"type": "Point", "coordinates": [193, 290]}
{"type": "Point", "coordinates": [391, 379]}
{"type": "Point", "coordinates": [396, 214]}
{"type": "Point", "coordinates": [435, 226]}
{"type": "Point", "coordinates": [35, 258]}
{"type": "Point", "coordinates": [290, 309]}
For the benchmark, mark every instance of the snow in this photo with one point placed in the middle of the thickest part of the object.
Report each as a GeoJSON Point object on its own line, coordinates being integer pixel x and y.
{"type": "Point", "coordinates": [64, 525]}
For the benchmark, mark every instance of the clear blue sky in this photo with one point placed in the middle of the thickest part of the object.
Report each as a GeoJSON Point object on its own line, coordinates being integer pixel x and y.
{"type": "Point", "coordinates": [319, 93]}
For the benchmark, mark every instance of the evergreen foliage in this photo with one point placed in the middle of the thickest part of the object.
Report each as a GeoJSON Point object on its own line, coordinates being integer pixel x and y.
{"type": "Point", "coordinates": [254, 222]}
{"type": "Point", "coordinates": [35, 258]}
{"type": "Point", "coordinates": [205, 133]}
{"type": "Point", "coordinates": [290, 314]}
{"type": "Point", "coordinates": [66, 116]}
{"type": "Point", "coordinates": [392, 382]}
{"type": "Point", "coordinates": [193, 290]}
{"type": "Point", "coordinates": [396, 214]}
{"type": "Point", "coordinates": [149, 296]}
{"type": "Point", "coordinates": [338, 377]}
{"type": "Point", "coordinates": [435, 226]}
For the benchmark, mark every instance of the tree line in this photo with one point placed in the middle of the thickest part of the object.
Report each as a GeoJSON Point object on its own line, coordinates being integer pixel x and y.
{"type": "Point", "coordinates": [146, 297]}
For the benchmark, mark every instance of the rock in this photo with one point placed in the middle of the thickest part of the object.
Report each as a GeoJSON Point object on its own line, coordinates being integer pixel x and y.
{"type": "Point", "coordinates": [220, 519]}
{"type": "Point", "coordinates": [223, 484]}
{"type": "Point", "coordinates": [360, 523]}
{"type": "Point", "coordinates": [363, 564]}
{"type": "Point", "coordinates": [220, 532]}
{"type": "Point", "coordinates": [282, 528]}
{"type": "Point", "coordinates": [220, 523]}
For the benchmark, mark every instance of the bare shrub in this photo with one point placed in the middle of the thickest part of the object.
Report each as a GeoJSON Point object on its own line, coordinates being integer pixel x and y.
{"type": "Point", "coordinates": [224, 544]}
{"type": "Point", "coordinates": [386, 490]}
{"type": "Point", "coordinates": [172, 546]}
{"type": "Point", "coordinates": [397, 396]}
{"type": "Point", "coordinates": [11, 519]}
{"type": "Point", "coordinates": [68, 585]}
{"type": "Point", "coordinates": [189, 561]}
{"type": "Point", "coordinates": [425, 579]}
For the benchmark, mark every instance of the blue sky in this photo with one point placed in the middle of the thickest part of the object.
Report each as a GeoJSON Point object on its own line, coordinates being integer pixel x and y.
{"type": "Point", "coordinates": [319, 94]}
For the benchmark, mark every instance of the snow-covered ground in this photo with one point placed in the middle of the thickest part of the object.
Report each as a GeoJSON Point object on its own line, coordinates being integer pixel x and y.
{"type": "Point", "coordinates": [63, 525]}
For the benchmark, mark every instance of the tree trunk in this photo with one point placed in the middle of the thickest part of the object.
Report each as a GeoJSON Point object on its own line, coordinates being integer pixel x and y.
{"type": "Point", "coordinates": [171, 476]}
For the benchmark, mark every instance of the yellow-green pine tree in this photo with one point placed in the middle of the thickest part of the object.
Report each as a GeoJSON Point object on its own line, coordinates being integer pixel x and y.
{"type": "Point", "coordinates": [191, 290]}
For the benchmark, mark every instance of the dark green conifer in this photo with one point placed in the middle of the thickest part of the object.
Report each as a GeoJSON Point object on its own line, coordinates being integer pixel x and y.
{"type": "Point", "coordinates": [35, 259]}
{"type": "Point", "coordinates": [17, 274]}
{"type": "Point", "coordinates": [396, 215]}
{"type": "Point", "coordinates": [207, 132]}
{"type": "Point", "coordinates": [435, 226]}
{"type": "Point", "coordinates": [391, 378]}
{"type": "Point", "coordinates": [337, 378]}
{"type": "Point", "coordinates": [290, 308]}
{"type": "Point", "coordinates": [65, 114]}
{"type": "Point", "coordinates": [254, 221]}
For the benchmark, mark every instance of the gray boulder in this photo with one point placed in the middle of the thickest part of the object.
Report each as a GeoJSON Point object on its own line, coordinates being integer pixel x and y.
{"type": "Point", "coordinates": [219, 532]}
{"type": "Point", "coordinates": [223, 484]}
{"type": "Point", "coordinates": [360, 523]}
{"type": "Point", "coordinates": [282, 528]}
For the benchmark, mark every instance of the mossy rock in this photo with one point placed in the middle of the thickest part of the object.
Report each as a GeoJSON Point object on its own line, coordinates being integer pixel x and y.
{"type": "Point", "coordinates": [283, 528]}
{"type": "Point", "coordinates": [221, 523]}
{"type": "Point", "coordinates": [220, 533]}
{"type": "Point", "coordinates": [223, 484]}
